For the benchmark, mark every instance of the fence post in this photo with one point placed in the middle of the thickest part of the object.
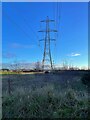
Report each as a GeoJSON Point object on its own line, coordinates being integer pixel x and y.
{"type": "Point", "coordinates": [9, 87]}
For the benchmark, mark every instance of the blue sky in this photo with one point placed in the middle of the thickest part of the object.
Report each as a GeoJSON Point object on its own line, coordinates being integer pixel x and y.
{"type": "Point", "coordinates": [21, 23]}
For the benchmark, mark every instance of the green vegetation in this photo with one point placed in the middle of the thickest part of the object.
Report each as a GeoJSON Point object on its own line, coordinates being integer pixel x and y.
{"type": "Point", "coordinates": [45, 102]}
{"type": "Point", "coordinates": [86, 79]}
{"type": "Point", "coordinates": [33, 97]}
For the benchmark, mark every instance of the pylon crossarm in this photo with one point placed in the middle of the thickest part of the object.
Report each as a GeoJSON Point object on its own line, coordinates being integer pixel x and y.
{"type": "Point", "coordinates": [52, 39]}
{"type": "Point", "coordinates": [47, 31]}
{"type": "Point", "coordinates": [47, 21]}
{"type": "Point", "coordinates": [41, 40]}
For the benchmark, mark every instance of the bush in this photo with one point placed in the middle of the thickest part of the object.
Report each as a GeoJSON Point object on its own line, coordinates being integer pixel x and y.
{"type": "Point", "coordinates": [86, 79]}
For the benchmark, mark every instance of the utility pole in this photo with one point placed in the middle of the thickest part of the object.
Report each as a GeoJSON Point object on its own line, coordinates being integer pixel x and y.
{"type": "Point", "coordinates": [47, 58]}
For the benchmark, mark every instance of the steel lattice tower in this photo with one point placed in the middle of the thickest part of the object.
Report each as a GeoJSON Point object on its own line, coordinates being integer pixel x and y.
{"type": "Point", "coordinates": [47, 58]}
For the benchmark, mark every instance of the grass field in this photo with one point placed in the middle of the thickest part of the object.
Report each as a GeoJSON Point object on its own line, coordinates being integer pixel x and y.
{"type": "Point", "coordinates": [9, 72]}
{"type": "Point", "coordinates": [59, 95]}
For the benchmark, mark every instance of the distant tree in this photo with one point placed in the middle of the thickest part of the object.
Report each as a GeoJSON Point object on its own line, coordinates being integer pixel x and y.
{"type": "Point", "coordinates": [65, 65]}
{"type": "Point", "coordinates": [71, 68]}
{"type": "Point", "coordinates": [83, 68]}
{"type": "Point", "coordinates": [77, 68]}
{"type": "Point", "coordinates": [74, 68]}
{"type": "Point", "coordinates": [38, 65]}
{"type": "Point", "coordinates": [15, 66]}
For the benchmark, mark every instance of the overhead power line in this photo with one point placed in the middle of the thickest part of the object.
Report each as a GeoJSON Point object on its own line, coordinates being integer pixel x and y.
{"type": "Point", "coordinates": [17, 25]}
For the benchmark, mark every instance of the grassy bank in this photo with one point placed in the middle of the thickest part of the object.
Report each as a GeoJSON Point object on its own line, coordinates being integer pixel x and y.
{"type": "Point", "coordinates": [45, 96]}
{"type": "Point", "coordinates": [46, 102]}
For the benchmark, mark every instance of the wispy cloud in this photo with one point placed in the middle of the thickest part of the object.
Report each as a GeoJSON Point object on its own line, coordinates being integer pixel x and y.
{"type": "Point", "coordinates": [8, 55]}
{"type": "Point", "coordinates": [74, 54]}
{"type": "Point", "coordinates": [17, 45]}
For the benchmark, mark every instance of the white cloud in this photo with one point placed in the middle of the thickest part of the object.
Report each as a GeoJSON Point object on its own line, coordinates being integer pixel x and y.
{"type": "Point", "coordinates": [17, 45]}
{"type": "Point", "coordinates": [74, 54]}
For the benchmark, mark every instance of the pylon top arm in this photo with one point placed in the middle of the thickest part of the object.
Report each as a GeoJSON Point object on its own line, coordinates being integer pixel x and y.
{"type": "Point", "coordinates": [47, 31]}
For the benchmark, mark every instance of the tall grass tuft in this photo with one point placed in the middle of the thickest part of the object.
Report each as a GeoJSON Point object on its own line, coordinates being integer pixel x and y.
{"type": "Point", "coordinates": [45, 102]}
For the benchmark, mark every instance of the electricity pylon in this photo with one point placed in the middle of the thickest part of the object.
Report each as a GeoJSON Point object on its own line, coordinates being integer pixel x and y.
{"type": "Point", "coordinates": [47, 58]}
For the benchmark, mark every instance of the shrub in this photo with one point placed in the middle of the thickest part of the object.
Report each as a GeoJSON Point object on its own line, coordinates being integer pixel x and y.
{"type": "Point", "coordinates": [86, 79]}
